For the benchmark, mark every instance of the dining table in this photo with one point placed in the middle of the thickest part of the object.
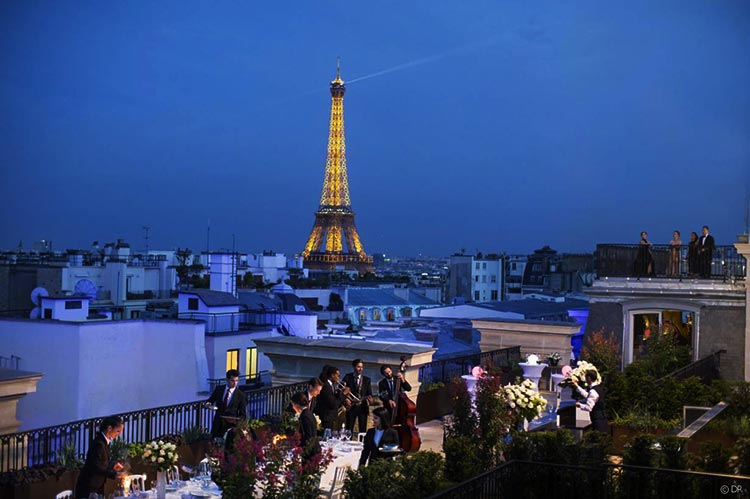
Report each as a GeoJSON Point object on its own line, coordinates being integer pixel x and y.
{"type": "Point", "coordinates": [183, 489]}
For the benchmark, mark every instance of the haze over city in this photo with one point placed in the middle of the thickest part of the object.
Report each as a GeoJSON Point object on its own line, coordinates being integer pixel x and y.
{"type": "Point", "coordinates": [498, 126]}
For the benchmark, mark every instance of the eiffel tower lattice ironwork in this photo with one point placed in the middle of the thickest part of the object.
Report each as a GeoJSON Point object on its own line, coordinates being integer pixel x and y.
{"type": "Point", "coordinates": [334, 241]}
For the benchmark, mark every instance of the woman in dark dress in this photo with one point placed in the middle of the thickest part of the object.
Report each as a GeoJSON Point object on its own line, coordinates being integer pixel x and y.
{"type": "Point", "coordinates": [382, 434]}
{"type": "Point", "coordinates": [644, 262]}
{"type": "Point", "coordinates": [308, 426]}
{"type": "Point", "coordinates": [97, 469]}
{"type": "Point", "coordinates": [693, 254]}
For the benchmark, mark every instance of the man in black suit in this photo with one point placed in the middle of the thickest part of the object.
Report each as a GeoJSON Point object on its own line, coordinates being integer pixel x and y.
{"type": "Point", "coordinates": [387, 387]}
{"type": "Point", "coordinates": [230, 401]}
{"type": "Point", "coordinates": [331, 398]}
{"type": "Point", "coordinates": [359, 384]}
{"type": "Point", "coordinates": [314, 386]}
{"type": "Point", "coordinates": [96, 470]}
{"type": "Point", "coordinates": [706, 248]}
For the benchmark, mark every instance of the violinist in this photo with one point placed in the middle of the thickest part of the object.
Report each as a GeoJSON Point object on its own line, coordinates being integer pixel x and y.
{"type": "Point", "coordinates": [387, 387]}
{"type": "Point", "coordinates": [360, 386]}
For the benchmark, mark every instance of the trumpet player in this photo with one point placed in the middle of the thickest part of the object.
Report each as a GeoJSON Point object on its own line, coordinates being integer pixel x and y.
{"type": "Point", "coordinates": [361, 390]}
{"type": "Point", "coordinates": [331, 397]}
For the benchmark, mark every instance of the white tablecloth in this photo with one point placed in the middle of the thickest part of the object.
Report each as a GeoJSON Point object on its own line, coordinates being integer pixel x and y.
{"type": "Point", "coordinates": [185, 489]}
{"type": "Point", "coordinates": [342, 457]}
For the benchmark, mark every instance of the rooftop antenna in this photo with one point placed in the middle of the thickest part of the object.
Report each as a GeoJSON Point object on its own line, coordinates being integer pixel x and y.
{"type": "Point", "coordinates": [145, 228]}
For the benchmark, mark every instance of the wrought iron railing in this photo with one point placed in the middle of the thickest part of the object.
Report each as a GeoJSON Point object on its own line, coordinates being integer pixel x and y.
{"type": "Point", "coordinates": [662, 260]}
{"type": "Point", "coordinates": [444, 370]}
{"type": "Point", "coordinates": [41, 446]}
{"type": "Point", "coordinates": [12, 362]}
{"type": "Point", "coordinates": [707, 369]}
{"type": "Point", "coordinates": [525, 479]}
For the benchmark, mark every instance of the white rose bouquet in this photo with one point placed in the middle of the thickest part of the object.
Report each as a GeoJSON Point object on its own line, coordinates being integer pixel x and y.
{"type": "Point", "coordinates": [161, 455]}
{"type": "Point", "coordinates": [579, 374]}
{"type": "Point", "coordinates": [523, 399]}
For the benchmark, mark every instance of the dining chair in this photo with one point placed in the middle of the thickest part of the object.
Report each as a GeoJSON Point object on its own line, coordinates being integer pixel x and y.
{"type": "Point", "coordinates": [65, 494]}
{"type": "Point", "coordinates": [361, 437]}
{"type": "Point", "coordinates": [137, 483]}
{"type": "Point", "coordinates": [173, 474]}
{"type": "Point", "coordinates": [336, 488]}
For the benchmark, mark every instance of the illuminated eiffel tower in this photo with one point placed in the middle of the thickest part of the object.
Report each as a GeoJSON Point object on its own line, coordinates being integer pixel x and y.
{"type": "Point", "coordinates": [334, 242]}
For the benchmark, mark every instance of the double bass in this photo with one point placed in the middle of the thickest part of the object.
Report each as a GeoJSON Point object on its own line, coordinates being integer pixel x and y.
{"type": "Point", "coordinates": [403, 416]}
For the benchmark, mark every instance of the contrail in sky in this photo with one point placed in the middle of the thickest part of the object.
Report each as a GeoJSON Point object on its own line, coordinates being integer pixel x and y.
{"type": "Point", "coordinates": [425, 60]}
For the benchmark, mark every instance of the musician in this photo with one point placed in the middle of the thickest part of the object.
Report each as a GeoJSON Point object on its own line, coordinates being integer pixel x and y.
{"type": "Point", "coordinates": [387, 386]}
{"type": "Point", "coordinates": [331, 398]}
{"type": "Point", "coordinates": [378, 436]}
{"type": "Point", "coordinates": [230, 401]}
{"type": "Point", "coordinates": [359, 384]}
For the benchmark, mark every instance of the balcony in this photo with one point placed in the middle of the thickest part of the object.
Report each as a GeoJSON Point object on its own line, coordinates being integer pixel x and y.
{"type": "Point", "coordinates": [622, 260]}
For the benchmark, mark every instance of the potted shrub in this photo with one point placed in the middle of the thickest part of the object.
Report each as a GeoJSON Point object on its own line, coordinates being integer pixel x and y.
{"type": "Point", "coordinates": [433, 401]}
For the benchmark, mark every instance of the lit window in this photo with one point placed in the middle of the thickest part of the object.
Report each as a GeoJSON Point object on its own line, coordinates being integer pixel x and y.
{"type": "Point", "coordinates": [233, 359]}
{"type": "Point", "coordinates": [251, 362]}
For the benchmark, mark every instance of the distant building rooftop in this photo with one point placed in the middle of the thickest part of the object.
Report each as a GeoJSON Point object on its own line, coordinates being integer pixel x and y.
{"type": "Point", "coordinates": [213, 298]}
{"type": "Point", "coordinates": [362, 297]}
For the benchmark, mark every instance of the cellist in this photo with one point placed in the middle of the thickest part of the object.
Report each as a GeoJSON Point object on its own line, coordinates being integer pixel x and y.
{"type": "Point", "coordinates": [387, 385]}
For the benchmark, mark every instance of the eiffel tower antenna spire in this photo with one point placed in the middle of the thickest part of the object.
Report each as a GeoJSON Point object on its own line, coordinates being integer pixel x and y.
{"type": "Point", "coordinates": [334, 241]}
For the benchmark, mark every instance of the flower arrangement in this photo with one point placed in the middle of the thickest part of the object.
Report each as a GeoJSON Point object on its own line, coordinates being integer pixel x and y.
{"type": "Point", "coordinates": [554, 358]}
{"type": "Point", "coordinates": [579, 374]}
{"type": "Point", "coordinates": [523, 400]}
{"type": "Point", "coordinates": [160, 454]}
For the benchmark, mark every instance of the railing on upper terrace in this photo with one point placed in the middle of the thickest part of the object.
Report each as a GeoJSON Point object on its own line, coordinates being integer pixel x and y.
{"type": "Point", "coordinates": [623, 260]}
{"type": "Point", "coordinates": [241, 321]}
{"type": "Point", "coordinates": [526, 479]}
{"type": "Point", "coordinates": [247, 382]}
{"type": "Point", "coordinates": [41, 446]}
{"type": "Point", "coordinates": [707, 369]}
{"type": "Point", "coordinates": [12, 362]}
{"type": "Point", "coordinates": [444, 370]}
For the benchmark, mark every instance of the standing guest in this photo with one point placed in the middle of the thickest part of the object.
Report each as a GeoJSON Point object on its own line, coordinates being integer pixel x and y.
{"type": "Point", "coordinates": [378, 436]}
{"type": "Point", "coordinates": [230, 401]}
{"type": "Point", "coordinates": [360, 386]}
{"type": "Point", "coordinates": [314, 386]}
{"type": "Point", "coordinates": [644, 262]}
{"type": "Point", "coordinates": [96, 470]}
{"type": "Point", "coordinates": [387, 387]}
{"type": "Point", "coordinates": [706, 252]}
{"type": "Point", "coordinates": [331, 398]}
{"type": "Point", "coordinates": [693, 254]}
{"type": "Point", "coordinates": [675, 249]}
{"type": "Point", "coordinates": [308, 426]}
{"type": "Point", "coordinates": [594, 403]}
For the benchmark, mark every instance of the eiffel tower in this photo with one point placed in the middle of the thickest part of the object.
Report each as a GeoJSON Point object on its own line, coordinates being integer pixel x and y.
{"type": "Point", "coordinates": [334, 242]}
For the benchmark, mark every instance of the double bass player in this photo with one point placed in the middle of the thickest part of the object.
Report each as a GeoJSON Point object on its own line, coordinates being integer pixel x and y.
{"type": "Point", "coordinates": [387, 386]}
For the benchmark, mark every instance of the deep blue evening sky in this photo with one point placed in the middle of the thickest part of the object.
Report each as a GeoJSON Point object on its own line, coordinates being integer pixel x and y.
{"type": "Point", "coordinates": [520, 123]}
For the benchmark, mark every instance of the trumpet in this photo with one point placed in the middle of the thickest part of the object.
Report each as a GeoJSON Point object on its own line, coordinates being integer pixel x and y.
{"type": "Point", "coordinates": [350, 396]}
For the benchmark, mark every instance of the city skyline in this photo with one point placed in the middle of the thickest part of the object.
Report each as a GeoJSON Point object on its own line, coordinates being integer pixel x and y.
{"type": "Point", "coordinates": [490, 127]}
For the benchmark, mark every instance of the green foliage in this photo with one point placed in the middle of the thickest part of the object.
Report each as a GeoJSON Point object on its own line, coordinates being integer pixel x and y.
{"type": "Point", "coordinates": [602, 350]}
{"type": "Point", "coordinates": [664, 355]}
{"type": "Point", "coordinates": [543, 446]}
{"type": "Point", "coordinates": [68, 458]}
{"type": "Point", "coordinates": [463, 458]}
{"type": "Point", "coordinates": [712, 458]}
{"type": "Point", "coordinates": [493, 420]}
{"type": "Point", "coordinates": [135, 450]}
{"type": "Point", "coordinates": [464, 420]}
{"type": "Point", "coordinates": [119, 450]}
{"type": "Point", "coordinates": [741, 460]}
{"type": "Point", "coordinates": [195, 433]}
{"type": "Point", "coordinates": [641, 451]}
{"type": "Point", "coordinates": [422, 473]}
{"type": "Point", "coordinates": [431, 387]}
{"type": "Point", "coordinates": [645, 422]}
{"type": "Point", "coordinates": [594, 448]}
{"type": "Point", "coordinates": [673, 452]}
{"type": "Point", "coordinates": [381, 478]}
